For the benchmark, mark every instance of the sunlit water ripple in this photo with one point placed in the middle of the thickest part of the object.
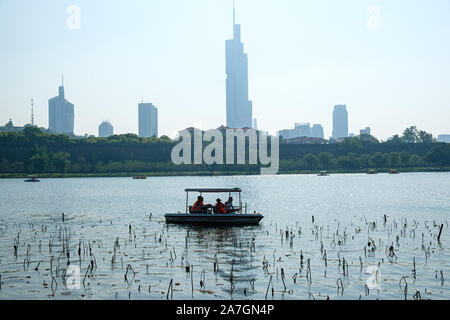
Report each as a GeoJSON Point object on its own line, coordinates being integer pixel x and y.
{"type": "Point", "coordinates": [348, 211]}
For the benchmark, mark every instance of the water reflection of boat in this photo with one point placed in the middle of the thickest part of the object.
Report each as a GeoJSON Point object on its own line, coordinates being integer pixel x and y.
{"type": "Point", "coordinates": [323, 174]}
{"type": "Point", "coordinates": [231, 245]}
{"type": "Point", "coordinates": [208, 214]}
{"type": "Point", "coordinates": [32, 179]}
{"type": "Point", "coordinates": [140, 177]}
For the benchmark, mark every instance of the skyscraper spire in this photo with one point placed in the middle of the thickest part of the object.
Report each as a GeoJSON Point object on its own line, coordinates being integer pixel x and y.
{"type": "Point", "coordinates": [61, 88]}
{"type": "Point", "coordinates": [234, 14]}
{"type": "Point", "coordinates": [32, 112]}
{"type": "Point", "coordinates": [236, 27]}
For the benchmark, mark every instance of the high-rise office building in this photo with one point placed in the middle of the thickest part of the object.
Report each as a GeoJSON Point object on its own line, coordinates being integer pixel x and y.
{"type": "Point", "coordinates": [148, 120]}
{"type": "Point", "coordinates": [60, 113]}
{"type": "Point", "coordinates": [239, 108]}
{"type": "Point", "coordinates": [302, 129]}
{"type": "Point", "coordinates": [366, 130]}
{"type": "Point", "coordinates": [105, 129]}
{"type": "Point", "coordinates": [340, 122]}
{"type": "Point", "coordinates": [317, 131]}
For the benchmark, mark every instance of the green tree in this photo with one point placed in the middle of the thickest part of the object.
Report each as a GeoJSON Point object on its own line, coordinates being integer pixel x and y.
{"type": "Point", "coordinates": [416, 161]}
{"type": "Point", "coordinates": [343, 162]}
{"type": "Point", "coordinates": [367, 138]}
{"type": "Point", "coordinates": [365, 161]}
{"type": "Point", "coordinates": [4, 165]}
{"type": "Point", "coordinates": [404, 158]}
{"type": "Point", "coordinates": [39, 162]}
{"type": "Point", "coordinates": [164, 138]}
{"type": "Point", "coordinates": [60, 161]}
{"type": "Point", "coordinates": [395, 139]}
{"type": "Point", "coordinates": [325, 159]}
{"type": "Point", "coordinates": [311, 161]}
{"type": "Point", "coordinates": [379, 160]}
{"type": "Point", "coordinates": [349, 162]}
{"type": "Point", "coordinates": [352, 144]}
{"type": "Point", "coordinates": [31, 132]}
{"type": "Point", "coordinates": [425, 137]}
{"type": "Point", "coordinates": [410, 135]}
{"type": "Point", "coordinates": [393, 159]}
{"type": "Point", "coordinates": [440, 155]}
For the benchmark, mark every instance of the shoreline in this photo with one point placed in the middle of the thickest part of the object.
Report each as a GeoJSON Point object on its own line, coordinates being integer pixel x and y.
{"type": "Point", "coordinates": [208, 174]}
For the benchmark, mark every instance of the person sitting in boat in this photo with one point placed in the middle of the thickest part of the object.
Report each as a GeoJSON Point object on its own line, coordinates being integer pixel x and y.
{"type": "Point", "coordinates": [229, 206]}
{"type": "Point", "coordinates": [220, 207]}
{"type": "Point", "coordinates": [199, 206]}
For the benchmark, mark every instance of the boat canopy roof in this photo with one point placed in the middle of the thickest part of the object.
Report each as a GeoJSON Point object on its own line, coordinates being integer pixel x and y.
{"type": "Point", "coordinates": [213, 190]}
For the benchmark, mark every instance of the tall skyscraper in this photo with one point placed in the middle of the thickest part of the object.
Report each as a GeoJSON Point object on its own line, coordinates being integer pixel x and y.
{"type": "Point", "coordinates": [317, 131]}
{"type": "Point", "coordinates": [148, 120]}
{"type": "Point", "coordinates": [239, 108]}
{"type": "Point", "coordinates": [60, 113]}
{"type": "Point", "coordinates": [105, 129]}
{"type": "Point", "coordinates": [340, 122]}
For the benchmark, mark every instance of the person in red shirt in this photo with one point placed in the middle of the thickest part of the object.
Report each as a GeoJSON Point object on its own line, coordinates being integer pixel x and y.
{"type": "Point", "coordinates": [199, 206]}
{"type": "Point", "coordinates": [220, 207]}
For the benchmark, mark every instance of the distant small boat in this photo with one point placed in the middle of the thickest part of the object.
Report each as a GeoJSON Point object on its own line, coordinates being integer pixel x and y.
{"type": "Point", "coordinates": [140, 177]}
{"type": "Point", "coordinates": [32, 179]}
{"type": "Point", "coordinates": [393, 171]}
{"type": "Point", "coordinates": [323, 174]}
{"type": "Point", "coordinates": [371, 171]}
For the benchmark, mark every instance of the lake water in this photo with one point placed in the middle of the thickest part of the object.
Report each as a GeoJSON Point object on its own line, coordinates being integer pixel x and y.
{"type": "Point", "coordinates": [314, 237]}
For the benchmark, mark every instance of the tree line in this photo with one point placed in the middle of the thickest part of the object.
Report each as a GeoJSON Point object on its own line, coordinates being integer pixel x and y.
{"type": "Point", "coordinates": [34, 151]}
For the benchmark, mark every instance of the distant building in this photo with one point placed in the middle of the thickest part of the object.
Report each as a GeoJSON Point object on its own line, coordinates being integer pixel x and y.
{"type": "Point", "coordinates": [105, 129]}
{"type": "Point", "coordinates": [366, 130]}
{"type": "Point", "coordinates": [340, 122]}
{"type": "Point", "coordinates": [255, 124]}
{"type": "Point", "coordinates": [148, 120]}
{"type": "Point", "coordinates": [239, 107]}
{"type": "Point", "coordinates": [60, 113]}
{"type": "Point", "coordinates": [444, 138]}
{"type": "Point", "coordinates": [305, 140]}
{"type": "Point", "coordinates": [337, 140]}
{"type": "Point", "coordinates": [10, 127]}
{"type": "Point", "coordinates": [289, 133]}
{"type": "Point", "coordinates": [317, 131]}
{"type": "Point", "coordinates": [304, 129]}
{"type": "Point", "coordinates": [285, 134]}
{"type": "Point", "coordinates": [300, 130]}
{"type": "Point", "coordinates": [351, 135]}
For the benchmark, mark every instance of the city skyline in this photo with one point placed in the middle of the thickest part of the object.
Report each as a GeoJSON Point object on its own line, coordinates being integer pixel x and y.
{"type": "Point", "coordinates": [299, 69]}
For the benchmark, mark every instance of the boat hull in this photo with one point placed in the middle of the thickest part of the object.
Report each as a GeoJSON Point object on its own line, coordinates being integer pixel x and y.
{"type": "Point", "coordinates": [214, 219]}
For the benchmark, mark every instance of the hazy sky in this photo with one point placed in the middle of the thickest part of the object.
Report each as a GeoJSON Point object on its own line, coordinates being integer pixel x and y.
{"type": "Point", "coordinates": [392, 69]}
